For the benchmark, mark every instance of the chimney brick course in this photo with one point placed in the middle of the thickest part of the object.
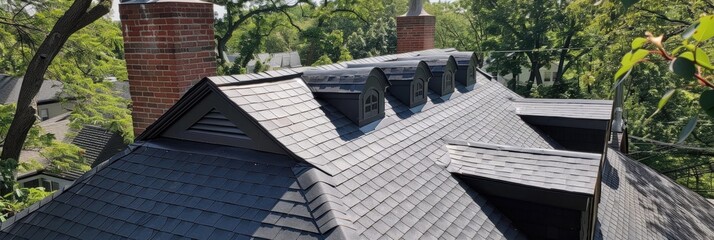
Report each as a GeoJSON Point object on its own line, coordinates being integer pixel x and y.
{"type": "Point", "coordinates": [415, 33]}
{"type": "Point", "coordinates": [169, 46]}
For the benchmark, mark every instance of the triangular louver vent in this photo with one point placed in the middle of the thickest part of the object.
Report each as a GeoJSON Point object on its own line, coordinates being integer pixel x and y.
{"type": "Point", "coordinates": [215, 123]}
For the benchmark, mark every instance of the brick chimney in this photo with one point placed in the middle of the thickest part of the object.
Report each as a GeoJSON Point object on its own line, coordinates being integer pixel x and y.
{"type": "Point", "coordinates": [415, 29]}
{"type": "Point", "coordinates": [169, 46]}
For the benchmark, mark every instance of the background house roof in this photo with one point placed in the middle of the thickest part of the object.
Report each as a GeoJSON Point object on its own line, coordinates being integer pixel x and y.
{"type": "Point", "coordinates": [10, 90]}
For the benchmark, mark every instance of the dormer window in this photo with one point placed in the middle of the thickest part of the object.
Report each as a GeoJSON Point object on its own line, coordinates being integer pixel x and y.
{"type": "Point", "coordinates": [371, 103]}
{"type": "Point", "coordinates": [358, 93]}
{"type": "Point", "coordinates": [418, 90]}
{"type": "Point", "coordinates": [448, 80]}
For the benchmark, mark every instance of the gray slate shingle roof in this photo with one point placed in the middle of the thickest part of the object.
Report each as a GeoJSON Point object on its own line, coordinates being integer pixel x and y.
{"type": "Point", "coordinates": [385, 180]}
{"type": "Point", "coordinates": [168, 189]}
{"type": "Point", "coordinates": [639, 203]}
{"type": "Point", "coordinates": [565, 108]}
{"type": "Point", "coordinates": [548, 169]}
{"type": "Point", "coordinates": [389, 176]}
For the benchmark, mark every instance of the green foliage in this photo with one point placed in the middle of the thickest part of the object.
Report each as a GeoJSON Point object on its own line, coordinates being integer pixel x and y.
{"type": "Point", "coordinates": [90, 56]}
{"type": "Point", "coordinates": [65, 156]}
{"type": "Point", "coordinates": [323, 60]}
{"type": "Point", "coordinates": [344, 55]}
{"type": "Point", "coordinates": [20, 199]}
{"type": "Point", "coordinates": [36, 138]}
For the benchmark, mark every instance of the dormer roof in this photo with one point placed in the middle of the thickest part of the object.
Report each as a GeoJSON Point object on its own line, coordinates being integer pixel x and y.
{"type": "Point", "coordinates": [351, 80]}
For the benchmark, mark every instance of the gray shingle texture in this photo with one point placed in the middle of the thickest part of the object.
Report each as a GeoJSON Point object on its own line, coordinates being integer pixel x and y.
{"type": "Point", "coordinates": [547, 169]}
{"type": "Point", "coordinates": [565, 108]}
{"type": "Point", "coordinates": [638, 203]}
{"type": "Point", "coordinates": [389, 177]}
{"type": "Point", "coordinates": [160, 193]}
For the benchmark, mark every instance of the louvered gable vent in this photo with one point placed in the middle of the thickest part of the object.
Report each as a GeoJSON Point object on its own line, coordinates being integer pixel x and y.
{"type": "Point", "coordinates": [216, 123]}
{"type": "Point", "coordinates": [208, 117]}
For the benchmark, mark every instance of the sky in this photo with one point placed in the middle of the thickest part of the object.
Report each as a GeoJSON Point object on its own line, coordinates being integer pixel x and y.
{"type": "Point", "coordinates": [220, 11]}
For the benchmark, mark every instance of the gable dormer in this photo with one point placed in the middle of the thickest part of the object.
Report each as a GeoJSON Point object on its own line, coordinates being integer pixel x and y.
{"type": "Point", "coordinates": [357, 92]}
{"type": "Point", "coordinates": [408, 79]}
{"type": "Point", "coordinates": [443, 71]}
{"type": "Point", "coordinates": [466, 63]}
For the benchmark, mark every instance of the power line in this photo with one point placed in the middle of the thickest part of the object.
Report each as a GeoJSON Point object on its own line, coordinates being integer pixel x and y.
{"type": "Point", "coordinates": [678, 146]}
{"type": "Point", "coordinates": [534, 50]}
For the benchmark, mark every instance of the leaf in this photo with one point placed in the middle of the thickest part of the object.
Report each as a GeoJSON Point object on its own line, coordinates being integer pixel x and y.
{"type": "Point", "coordinates": [683, 67]}
{"type": "Point", "coordinates": [701, 58]}
{"type": "Point", "coordinates": [688, 129]}
{"type": "Point", "coordinates": [706, 101]}
{"type": "Point", "coordinates": [705, 30]}
{"type": "Point", "coordinates": [621, 80]}
{"type": "Point", "coordinates": [690, 31]}
{"type": "Point", "coordinates": [624, 69]}
{"type": "Point", "coordinates": [633, 57]}
{"type": "Point", "coordinates": [676, 50]}
{"type": "Point", "coordinates": [663, 101]}
{"type": "Point", "coordinates": [638, 43]}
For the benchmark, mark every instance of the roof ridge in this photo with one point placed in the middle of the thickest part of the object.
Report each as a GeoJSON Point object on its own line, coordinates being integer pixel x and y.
{"type": "Point", "coordinates": [540, 151]}
{"type": "Point", "coordinates": [330, 214]}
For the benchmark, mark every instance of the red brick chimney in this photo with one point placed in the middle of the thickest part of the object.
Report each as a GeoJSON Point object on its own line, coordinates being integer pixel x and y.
{"type": "Point", "coordinates": [169, 46]}
{"type": "Point", "coordinates": [415, 30]}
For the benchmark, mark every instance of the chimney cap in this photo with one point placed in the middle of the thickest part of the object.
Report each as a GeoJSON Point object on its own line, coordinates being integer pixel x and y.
{"type": "Point", "coordinates": [416, 8]}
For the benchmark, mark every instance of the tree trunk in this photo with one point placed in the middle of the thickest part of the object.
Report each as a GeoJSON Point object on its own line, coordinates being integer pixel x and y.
{"type": "Point", "coordinates": [75, 18]}
{"type": "Point", "coordinates": [563, 54]}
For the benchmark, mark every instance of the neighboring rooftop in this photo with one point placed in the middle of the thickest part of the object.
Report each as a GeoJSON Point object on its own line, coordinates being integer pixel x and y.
{"type": "Point", "coordinates": [99, 145]}
{"type": "Point", "coordinates": [274, 60]}
{"type": "Point", "coordinates": [10, 90]}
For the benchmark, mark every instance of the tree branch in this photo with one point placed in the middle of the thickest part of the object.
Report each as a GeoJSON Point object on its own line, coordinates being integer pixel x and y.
{"type": "Point", "coordinates": [101, 9]}
{"type": "Point", "coordinates": [350, 11]}
{"type": "Point", "coordinates": [663, 17]}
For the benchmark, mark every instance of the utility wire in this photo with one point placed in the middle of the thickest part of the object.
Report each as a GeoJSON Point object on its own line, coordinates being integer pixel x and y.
{"type": "Point", "coordinates": [679, 146]}
{"type": "Point", "coordinates": [534, 50]}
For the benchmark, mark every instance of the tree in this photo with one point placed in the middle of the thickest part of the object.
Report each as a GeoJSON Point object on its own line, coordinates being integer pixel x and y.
{"type": "Point", "coordinates": [542, 31]}
{"type": "Point", "coordinates": [239, 12]}
{"type": "Point", "coordinates": [79, 14]}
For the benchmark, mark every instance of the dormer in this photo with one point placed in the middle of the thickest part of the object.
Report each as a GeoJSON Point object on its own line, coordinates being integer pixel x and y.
{"type": "Point", "coordinates": [466, 63]}
{"type": "Point", "coordinates": [408, 79]}
{"type": "Point", "coordinates": [356, 92]}
{"type": "Point", "coordinates": [443, 74]}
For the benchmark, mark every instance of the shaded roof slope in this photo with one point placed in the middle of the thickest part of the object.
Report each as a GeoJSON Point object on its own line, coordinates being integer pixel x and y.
{"type": "Point", "coordinates": [548, 169]}
{"type": "Point", "coordinates": [564, 108]}
{"type": "Point", "coordinates": [166, 189]}
{"type": "Point", "coordinates": [638, 203]}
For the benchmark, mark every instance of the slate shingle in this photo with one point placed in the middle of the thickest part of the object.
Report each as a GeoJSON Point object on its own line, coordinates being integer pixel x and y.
{"type": "Point", "coordinates": [186, 214]}
{"type": "Point", "coordinates": [549, 169]}
{"type": "Point", "coordinates": [637, 202]}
